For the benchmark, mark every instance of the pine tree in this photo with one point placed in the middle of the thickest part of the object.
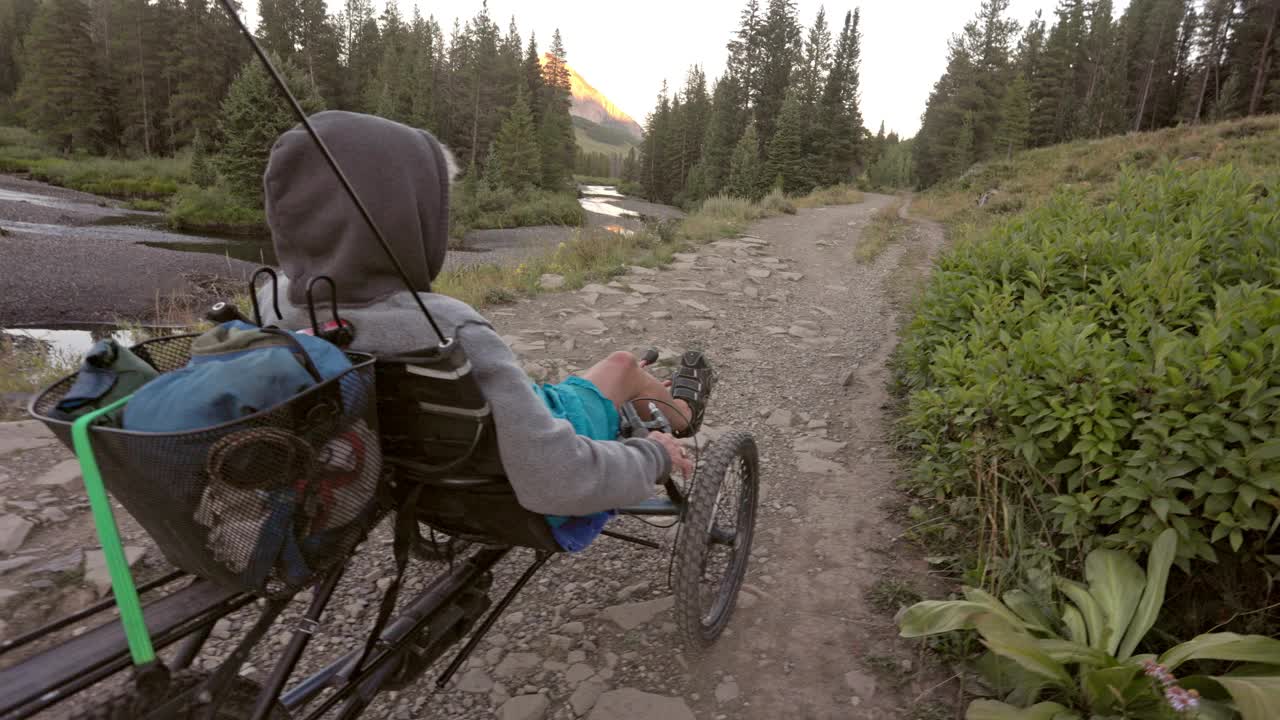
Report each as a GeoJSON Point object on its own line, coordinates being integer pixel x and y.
{"type": "Point", "coordinates": [837, 134]}
{"type": "Point", "coordinates": [780, 47]}
{"type": "Point", "coordinates": [515, 162]}
{"type": "Point", "coordinates": [745, 172]}
{"type": "Point", "coordinates": [555, 134]}
{"type": "Point", "coordinates": [533, 78]}
{"type": "Point", "coordinates": [253, 116]}
{"type": "Point", "coordinates": [725, 124]}
{"type": "Point", "coordinates": [61, 89]}
{"type": "Point", "coordinates": [745, 52]}
{"type": "Point", "coordinates": [1015, 118]}
{"type": "Point", "coordinates": [15, 21]}
{"type": "Point", "coordinates": [654, 174]}
{"type": "Point", "coordinates": [202, 172]}
{"type": "Point", "coordinates": [786, 162]}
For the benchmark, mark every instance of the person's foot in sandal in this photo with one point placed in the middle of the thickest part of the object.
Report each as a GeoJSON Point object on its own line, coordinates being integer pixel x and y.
{"type": "Point", "coordinates": [692, 383]}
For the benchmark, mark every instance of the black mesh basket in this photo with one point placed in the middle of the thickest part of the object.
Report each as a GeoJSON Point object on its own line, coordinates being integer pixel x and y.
{"type": "Point", "coordinates": [264, 503]}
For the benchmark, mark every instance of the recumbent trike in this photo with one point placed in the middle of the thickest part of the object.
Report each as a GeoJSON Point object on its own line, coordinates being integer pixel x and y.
{"type": "Point", "coordinates": [438, 469]}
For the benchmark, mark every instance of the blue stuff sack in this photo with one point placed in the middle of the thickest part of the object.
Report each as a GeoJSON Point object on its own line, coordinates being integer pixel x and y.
{"type": "Point", "coordinates": [236, 369]}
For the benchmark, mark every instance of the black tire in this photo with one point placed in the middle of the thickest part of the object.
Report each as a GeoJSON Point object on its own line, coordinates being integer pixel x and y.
{"type": "Point", "coordinates": [124, 703]}
{"type": "Point", "coordinates": [724, 498]}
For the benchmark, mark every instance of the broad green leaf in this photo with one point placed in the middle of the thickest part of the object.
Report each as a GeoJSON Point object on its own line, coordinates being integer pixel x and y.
{"type": "Point", "coordinates": [1074, 621]}
{"type": "Point", "coordinates": [1025, 607]}
{"type": "Point", "coordinates": [992, 710]}
{"type": "Point", "coordinates": [1116, 582]}
{"type": "Point", "coordinates": [1105, 689]}
{"type": "Point", "coordinates": [1066, 652]}
{"type": "Point", "coordinates": [1225, 646]}
{"type": "Point", "coordinates": [1022, 649]}
{"type": "Point", "coordinates": [932, 617]}
{"type": "Point", "coordinates": [996, 607]}
{"type": "Point", "coordinates": [1094, 620]}
{"type": "Point", "coordinates": [1256, 698]}
{"type": "Point", "coordinates": [1008, 679]}
{"type": "Point", "coordinates": [1163, 551]}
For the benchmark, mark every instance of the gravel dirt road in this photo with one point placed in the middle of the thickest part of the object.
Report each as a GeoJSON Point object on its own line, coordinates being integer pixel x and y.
{"type": "Point", "coordinates": [800, 333]}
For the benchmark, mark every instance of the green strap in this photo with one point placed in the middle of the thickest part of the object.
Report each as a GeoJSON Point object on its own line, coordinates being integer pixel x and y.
{"type": "Point", "coordinates": [135, 629]}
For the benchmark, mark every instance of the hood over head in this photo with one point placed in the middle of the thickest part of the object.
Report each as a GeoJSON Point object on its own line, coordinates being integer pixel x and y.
{"type": "Point", "coordinates": [401, 174]}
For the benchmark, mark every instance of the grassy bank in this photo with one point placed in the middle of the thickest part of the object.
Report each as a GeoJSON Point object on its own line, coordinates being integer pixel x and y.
{"type": "Point", "coordinates": [214, 210]}
{"type": "Point", "coordinates": [1094, 362]}
{"type": "Point", "coordinates": [487, 208]}
{"type": "Point", "coordinates": [142, 178]}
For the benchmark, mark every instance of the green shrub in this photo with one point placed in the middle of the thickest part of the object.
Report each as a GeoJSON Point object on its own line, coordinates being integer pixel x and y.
{"type": "Point", "coordinates": [1117, 367]}
{"type": "Point", "coordinates": [834, 195]}
{"type": "Point", "coordinates": [214, 209]}
{"type": "Point", "coordinates": [488, 208]}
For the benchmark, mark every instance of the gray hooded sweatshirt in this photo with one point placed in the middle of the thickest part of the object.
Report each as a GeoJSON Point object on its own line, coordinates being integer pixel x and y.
{"type": "Point", "coordinates": [402, 175]}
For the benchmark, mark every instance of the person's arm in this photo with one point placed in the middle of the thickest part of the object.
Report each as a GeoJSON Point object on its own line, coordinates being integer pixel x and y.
{"type": "Point", "coordinates": [552, 469]}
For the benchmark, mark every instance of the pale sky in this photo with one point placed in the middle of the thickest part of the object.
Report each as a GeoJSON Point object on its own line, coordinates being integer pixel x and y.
{"type": "Point", "coordinates": [626, 50]}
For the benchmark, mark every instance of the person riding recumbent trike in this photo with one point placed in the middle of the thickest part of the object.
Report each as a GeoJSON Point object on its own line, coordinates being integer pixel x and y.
{"type": "Point", "coordinates": [440, 471]}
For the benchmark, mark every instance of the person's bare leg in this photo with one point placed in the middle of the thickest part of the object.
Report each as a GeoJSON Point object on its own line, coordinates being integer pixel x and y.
{"type": "Point", "coordinates": [621, 378]}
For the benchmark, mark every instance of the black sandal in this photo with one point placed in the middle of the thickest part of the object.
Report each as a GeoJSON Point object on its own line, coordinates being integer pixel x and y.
{"type": "Point", "coordinates": [692, 383]}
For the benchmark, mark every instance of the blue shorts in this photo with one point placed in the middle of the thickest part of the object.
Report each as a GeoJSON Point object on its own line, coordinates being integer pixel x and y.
{"type": "Point", "coordinates": [592, 415]}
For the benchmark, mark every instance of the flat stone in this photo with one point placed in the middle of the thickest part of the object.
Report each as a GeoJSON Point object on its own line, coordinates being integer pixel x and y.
{"type": "Point", "coordinates": [686, 257]}
{"type": "Point", "coordinates": [601, 289]}
{"type": "Point", "coordinates": [746, 600]}
{"type": "Point", "coordinates": [862, 685]}
{"type": "Point", "coordinates": [801, 330]}
{"type": "Point", "coordinates": [95, 567]}
{"type": "Point", "coordinates": [527, 346]}
{"type": "Point", "coordinates": [694, 304]}
{"type": "Point", "coordinates": [641, 270]}
{"type": "Point", "coordinates": [632, 704]}
{"type": "Point", "coordinates": [475, 681]}
{"type": "Point", "coordinates": [727, 691]}
{"type": "Point", "coordinates": [746, 354]}
{"type": "Point", "coordinates": [761, 273]}
{"type": "Point", "coordinates": [585, 696]}
{"type": "Point", "coordinates": [66, 563]}
{"type": "Point", "coordinates": [517, 663]}
{"type": "Point", "coordinates": [818, 446]}
{"type": "Point", "coordinates": [573, 628]}
{"type": "Point", "coordinates": [751, 291]}
{"type": "Point", "coordinates": [13, 532]}
{"type": "Point", "coordinates": [14, 563]}
{"type": "Point", "coordinates": [524, 707]}
{"type": "Point", "coordinates": [6, 596]}
{"type": "Point", "coordinates": [792, 276]}
{"type": "Point", "coordinates": [701, 324]}
{"type": "Point", "coordinates": [579, 672]}
{"type": "Point", "coordinates": [682, 266]}
{"type": "Point", "coordinates": [631, 591]}
{"type": "Point", "coordinates": [807, 463]}
{"type": "Point", "coordinates": [551, 281]}
{"type": "Point", "coordinates": [576, 656]}
{"type": "Point", "coordinates": [632, 615]}
{"type": "Point", "coordinates": [555, 666]}
{"type": "Point", "coordinates": [646, 289]}
{"type": "Point", "coordinates": [53, 514]}
{"type": "Point", "coordinates": [779, 418]}
{"type": "Point", "coordinates": [585, 324]}
{"type": "Point", "coordinates": [24, 435]}
{"type": "Point", "coordinates": [64, 475]}
{"type": "Point", "coordinates": [660, 315]}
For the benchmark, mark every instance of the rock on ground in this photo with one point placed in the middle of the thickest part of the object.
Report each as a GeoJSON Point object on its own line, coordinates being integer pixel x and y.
{"type": "Point", "coordinates": [632, 704]}
{"type": "Point", "coordinates": [584, 698]}
{"type": "Point", "coordinates": [632, 615]}
{"type": "Point", "coordinates": [96, 574]}
{"type": "Point", "coordinates": [524, 707]}
{"type": "Point", "coordinates": [13, 532]}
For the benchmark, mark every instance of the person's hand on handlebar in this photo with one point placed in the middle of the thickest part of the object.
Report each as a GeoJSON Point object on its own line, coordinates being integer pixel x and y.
{"type": "Point", "coordinates": [679, 457]}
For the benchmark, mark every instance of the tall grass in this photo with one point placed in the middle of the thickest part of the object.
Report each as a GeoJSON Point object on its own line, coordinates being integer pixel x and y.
{"type": "Point", "coordinates": [485, 208]}
{"type": "Point", "coordinates": [885, 227]}
{"type": "Point", "coordinates": [27, 366]}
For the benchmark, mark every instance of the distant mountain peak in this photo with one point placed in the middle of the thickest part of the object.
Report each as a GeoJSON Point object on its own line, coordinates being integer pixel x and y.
{"type": "Point", "coordinates": [591, 104]}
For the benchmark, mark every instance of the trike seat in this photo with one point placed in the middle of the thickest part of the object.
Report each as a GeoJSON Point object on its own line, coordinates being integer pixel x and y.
{"type": "Point", "coordinates": [440, 445]}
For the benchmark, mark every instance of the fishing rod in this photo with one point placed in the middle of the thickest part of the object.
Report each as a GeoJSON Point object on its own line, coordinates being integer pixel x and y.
{"type": "Point", "coordinates": [333, 164]}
